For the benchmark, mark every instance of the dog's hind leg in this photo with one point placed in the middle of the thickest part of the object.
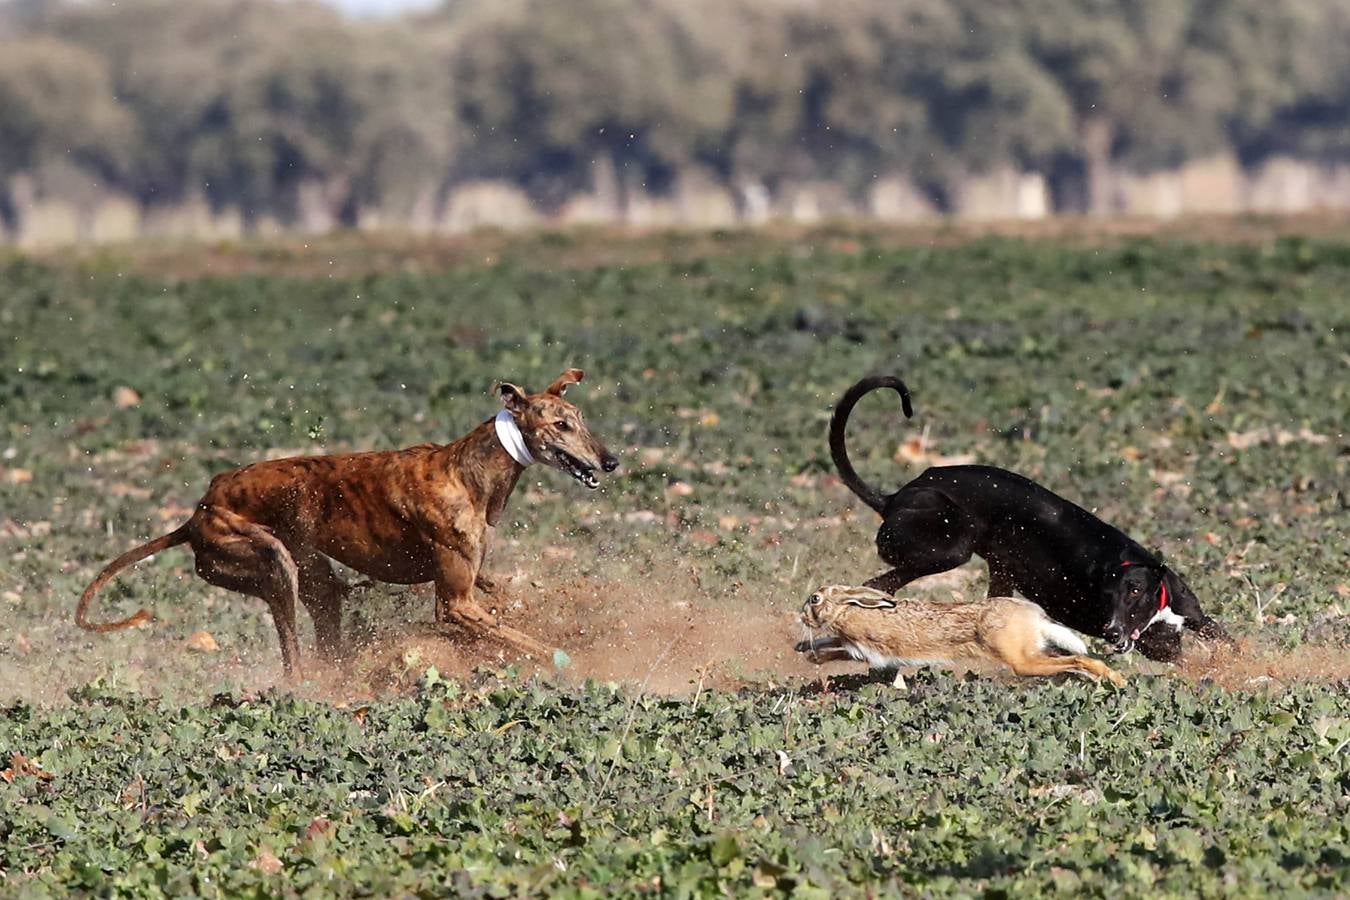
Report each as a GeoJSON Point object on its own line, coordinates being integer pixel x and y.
{"type": "Point", "coordinates": [243, 556]}
{"type": "Point", "coordinates": [927, 535]}
{"type": "Point", "coordinates": [1000, 581]}
{"type": "Point", "coordinates": [322, 593]}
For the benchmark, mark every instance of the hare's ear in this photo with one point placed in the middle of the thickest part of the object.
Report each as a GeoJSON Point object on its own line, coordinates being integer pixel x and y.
{"type": "Point", "coordinates": [871, 602]}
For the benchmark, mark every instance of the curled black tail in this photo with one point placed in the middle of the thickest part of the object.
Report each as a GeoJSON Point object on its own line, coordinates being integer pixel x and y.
{"type": "Point", "coordinates": [870, 495]}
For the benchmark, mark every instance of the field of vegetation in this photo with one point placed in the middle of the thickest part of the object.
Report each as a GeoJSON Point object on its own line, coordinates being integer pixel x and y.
{"type": "Point", "coordinates": [1192, 390]}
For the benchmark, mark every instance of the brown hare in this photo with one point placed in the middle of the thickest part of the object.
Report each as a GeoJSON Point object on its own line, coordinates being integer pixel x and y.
{"type": "Point", "coordinates": [867, 625]}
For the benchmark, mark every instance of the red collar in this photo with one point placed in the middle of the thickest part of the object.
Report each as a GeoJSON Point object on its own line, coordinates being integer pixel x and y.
{"type": "Point", "coordinates": [1162, 589]}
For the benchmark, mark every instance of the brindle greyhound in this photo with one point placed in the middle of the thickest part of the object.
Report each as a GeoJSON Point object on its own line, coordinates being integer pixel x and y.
{"type": "Point", "coordinates": [402, 516]}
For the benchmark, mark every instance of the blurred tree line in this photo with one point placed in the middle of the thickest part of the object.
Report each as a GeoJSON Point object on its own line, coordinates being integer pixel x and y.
{"type": "Point", "coordinates": [252, 103]}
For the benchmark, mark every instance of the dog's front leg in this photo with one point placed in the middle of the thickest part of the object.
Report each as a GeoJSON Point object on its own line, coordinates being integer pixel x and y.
{"type": "Point", "coordinates": [1210, 629]}
{"type": "Point", "coordinates": [483, 583]}
{"type": "Point", "coordinates": [1187, 605]}
{"type": "Point", "coordinates": [1193, 619]}
{"type": "Point", "coordinates": [455, 605]}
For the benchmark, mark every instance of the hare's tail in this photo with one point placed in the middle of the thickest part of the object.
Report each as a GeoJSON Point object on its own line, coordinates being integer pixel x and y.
{"type": "Point", "coordinates": [1056, 635]}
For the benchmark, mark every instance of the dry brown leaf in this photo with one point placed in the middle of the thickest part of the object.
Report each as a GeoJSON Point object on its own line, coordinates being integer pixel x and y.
{"type": "Point", "coordinates": [267, 862]}
{"type": "Point", "coordinates": [22, 765]}
{"type": "Point", "coordinates": [134, 793]}
{"type": "Point", "coordinates": [1242, 440]}
{"type": "Point", "coordinates": [174, 512]}
{"type": "Point", "coordinates": [124, 397]}
{"type": "Point", "coordinates": [17, 476]}
{"type": "Point", "coordinates": [202, 642]}
{"type": "Point", "coordinates": [318, 827]}
{"type": "Point", "coordinates": [918, 451]}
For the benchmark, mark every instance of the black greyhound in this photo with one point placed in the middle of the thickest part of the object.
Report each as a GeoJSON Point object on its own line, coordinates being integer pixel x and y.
{"type": "Point", "coordinates": [1080, 570]}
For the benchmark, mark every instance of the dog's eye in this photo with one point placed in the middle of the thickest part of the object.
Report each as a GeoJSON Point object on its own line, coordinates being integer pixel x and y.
{"type": "Point", "coordinates": [563, 426]}
{"type": "Point", "coordinates": [815, 598]}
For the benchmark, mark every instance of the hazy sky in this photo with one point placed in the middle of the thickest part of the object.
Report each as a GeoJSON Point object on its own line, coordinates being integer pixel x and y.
{"type": "Point", "coordinates": [381, 7]}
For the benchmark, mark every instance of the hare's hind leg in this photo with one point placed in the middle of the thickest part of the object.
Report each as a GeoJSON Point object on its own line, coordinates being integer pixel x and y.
{"type": "Point", "coordinates": [1095, 668]}
{"type": "Point", "coordinates": [1017, 644]}
{"type": "Point", "coordinates": [1039, 664]}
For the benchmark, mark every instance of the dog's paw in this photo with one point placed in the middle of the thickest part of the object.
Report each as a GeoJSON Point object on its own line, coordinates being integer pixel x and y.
{"type": "Point", "coordinates": [486, 585]}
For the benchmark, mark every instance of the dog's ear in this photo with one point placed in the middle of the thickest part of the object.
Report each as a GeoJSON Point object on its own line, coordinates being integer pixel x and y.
{"type": "Point", "coordinates": [564, 381]}
{"type": "Point", "coordinates": [513, 398]}
{"type": "Point", "coordinates": [871, 602]}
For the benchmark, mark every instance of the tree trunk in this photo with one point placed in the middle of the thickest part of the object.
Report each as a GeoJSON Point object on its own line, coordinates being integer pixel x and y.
{"type": "Point", "coordinates": [1097, 137]}
{"type": "Point", "coordinates": [248, 219]}
{"type": "Point", "coordinates": [606, 185]}
{"type": "Point", "coordinates": [9, 215]}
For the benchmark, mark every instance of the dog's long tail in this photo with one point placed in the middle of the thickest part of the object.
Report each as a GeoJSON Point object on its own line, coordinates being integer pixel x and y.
{"type": "Point", "coordinates": [1057, 635]}
{"type": "Point", "coordinates": [150, 548]}
{"type": "Point", "coordinates": [870, 495]}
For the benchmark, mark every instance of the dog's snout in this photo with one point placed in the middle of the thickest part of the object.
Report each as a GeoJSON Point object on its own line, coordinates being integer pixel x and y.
{"type": "Point", "coordinates": [609, 462]}
{"type": "Point", "coordinates": [1113, 631]}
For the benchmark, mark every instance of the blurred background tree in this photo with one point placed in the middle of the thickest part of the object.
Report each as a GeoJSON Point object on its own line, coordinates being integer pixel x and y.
{"type": "Point", "coordinates": [57, 108]}
{"type": "Point", "coordinates": [285, 110]}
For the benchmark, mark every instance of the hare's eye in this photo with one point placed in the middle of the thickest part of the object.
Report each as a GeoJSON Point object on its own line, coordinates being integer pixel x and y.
{"type": "Point", "coordinates": [815, 598]}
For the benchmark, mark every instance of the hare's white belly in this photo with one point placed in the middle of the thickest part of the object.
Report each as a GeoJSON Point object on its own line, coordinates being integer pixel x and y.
{"type": "Point", "coordinates": [879, 660]}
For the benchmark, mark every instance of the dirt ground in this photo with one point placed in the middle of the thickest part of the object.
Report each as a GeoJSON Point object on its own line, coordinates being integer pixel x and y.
{"type": "Point", "coordinates": [641, 637]}
{"type": "Point", "coordinates": [350, 253]}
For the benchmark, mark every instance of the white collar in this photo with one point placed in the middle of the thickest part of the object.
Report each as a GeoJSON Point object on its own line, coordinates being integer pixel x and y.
{"type": "Point", "coordinates": [508, 432]}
